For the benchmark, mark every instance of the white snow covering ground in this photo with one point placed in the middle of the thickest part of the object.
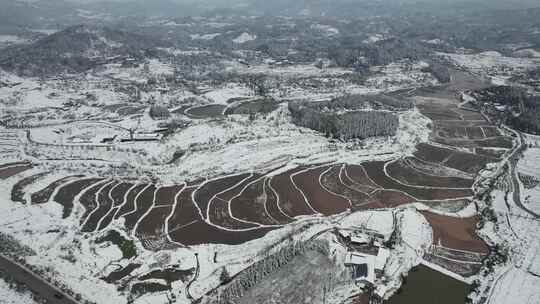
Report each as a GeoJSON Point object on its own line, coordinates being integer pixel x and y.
{"type": "Point", "coordinates": [240, 145]}
{"type": "Point", "coordinates": [492, 64]}
{"type": "Point", "coordinates": [325, 29]}
{"type": "Point", "coordinates": [223, 94]}
{"type": "Point", "coordinates": [517, 286]}
{"type": "Point", "coordinates": [244, 37]}
{"type": "Point", "coordinates": [530, 165]}
{"type": "Point", "coordinates": [10, 296]}
{"type": "Point", "coordinates": [44, 31]}
{"type": "Point", "coordinates": [40, 227]}
{"type": "Point", "coordinates": [204, 36]}
{"type": "Point", "coordinates": [374, 38]}
{"type": "Point", "coordinates": [518, 279]}
{"type": "Point", "coordinates": [12, 39]}
{"type": "Point", "coordinates": [527, 53]}
{"type": "Point", "coordinates": [212, 147]}
{"type": "Point", "coordinates": [416, 238]}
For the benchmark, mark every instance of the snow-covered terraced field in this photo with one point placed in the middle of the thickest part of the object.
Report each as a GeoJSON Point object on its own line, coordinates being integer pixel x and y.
{"type": "Point", "coordinates": [219, 217]}
{"type": "Point", "coordinates": [240, 207]}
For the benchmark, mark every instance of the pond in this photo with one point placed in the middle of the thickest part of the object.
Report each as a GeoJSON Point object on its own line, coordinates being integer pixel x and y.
{"type": "Point", "coordinates": [427, 286]}
{"type": "Point", "coordinates": [213, 110]}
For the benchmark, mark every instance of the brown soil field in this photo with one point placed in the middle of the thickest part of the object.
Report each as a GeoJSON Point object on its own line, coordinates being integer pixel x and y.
{"type": "Point", "coordinates": [405, 174]}
{"type": "Point", "coordinates": [436, 115]}
{"type": "Point", "coordinates": [230, 194]}
{"type": "Point", "coordinates": [67, 193]}
{"type": "Point", "coordinates": [165, 195]}
{"type": "Point", "coordinates": [451, 132]}
{"type": "Point", "coordinates": [435, 169]}
{"type": "Point", "coordinates": [184, 213]}
{"type": "Point", "coordinates": [459, 133]}
{"type": "Point", "coordinates": [361, 299]}
{"type": "Point", "coordinates": [250, 205]}
{"type": "Point", "coordinates": [130, 201]}
{"type": "Point", "coordinates": [495, 142]}
{"type": "Point", "coordinates": [475, 133]}
{"type": "Point", "coordinates": [205, 192]}
{"type": "Point", "coordinates": [107, 219]}
{"type": "Point", "coordinates": [491, 153]}
{"type": "Point", "coordinates": [89, 199]}
{"type": "Point", "coordinates": [18, 192]}
{"type": "Point", "coordinates": [332, 182]}
{"type": "Point", "coordinates": [491, 131]}
{"type": "Point", "coordinates": [152, 227]}
{"type": "Point", "coordinates": [170, 275]}
{"type": "Point", "coordinates": [349, 183]}
{"type": "Point", "coordinates": [272, 205]}
{"type": "Point", "coordinates": [7, 172]}
{"type": "Point", "coordinates": [119, 192]}
{"type": "Point", "coordinates": [44, 195]}
{"type": "Point", "coordinates": [291, 200]}
{"type": "Point", "coordinates": [373, 203]}
{"type": "Point", "coordinates": [187, 228]}
{"type": "Point", "coordinates": [218, 213]}
{"type": "Point", "coordinates": [468, 114]}
{"type": "Point", "coordinates": [143, 204]}
{"type": "Point", "coordinates": [431, 153]}
{"type": "Point", "coordinates": [359, 177]}
{"type": "Point", "coordinates": [320, 199]}
{"type": "Point", "coordinates": [200, 232]}
{"type": "Point", "coordinates": [104, 206]}
{"type": "Point", "coordinates": [391, 198]}
{"type": "Point", "coordinates": [376, 173]}
{"type": "Point", "coordinates": [468, 162]}
{"type": "Point", "coordinates": [456, 233]}
{"type": "Point", "coordinates": [461, 123]}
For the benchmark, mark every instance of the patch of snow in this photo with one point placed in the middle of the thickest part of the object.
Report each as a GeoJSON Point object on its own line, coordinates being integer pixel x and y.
{"type": "Point", "coordinates": [44, 31]}
{"type": "Point", "coordinates": [434, 41]}
{"type": "Point", "coordinates": [325, 29]}
{"type": "Point", "coordinates": [244, 37]}
{"type": "Point", "coordinates": [231, 90]}
{"type": "Point", "coordinates": [12, 39]}
{"type": "Point", "coordinates": [204, 36]}
{"type": "Point", "coordinates": [527, 53]}
{"type": "Point", "coordinates": [374, 38]}
{"type": "Point", "coordinates": [8, 295]}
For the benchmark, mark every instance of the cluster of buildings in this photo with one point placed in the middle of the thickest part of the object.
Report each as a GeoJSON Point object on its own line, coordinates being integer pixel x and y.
{"type": "Point", "coordinates": [366, 257]}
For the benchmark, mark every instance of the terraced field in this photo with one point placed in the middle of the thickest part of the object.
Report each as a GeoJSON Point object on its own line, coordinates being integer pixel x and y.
{"type": "Point", "coordinates": [244, 206]}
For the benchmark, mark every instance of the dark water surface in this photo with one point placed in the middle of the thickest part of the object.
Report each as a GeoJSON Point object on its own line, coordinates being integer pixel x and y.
{"type": "Point", "coordinates": [427, 286]}
{"type": "Point", "coordinates": [213, 110]}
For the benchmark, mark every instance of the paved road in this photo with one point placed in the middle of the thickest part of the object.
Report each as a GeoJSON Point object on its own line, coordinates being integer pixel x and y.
{"type": "Point", "coordinates": [35, 283]}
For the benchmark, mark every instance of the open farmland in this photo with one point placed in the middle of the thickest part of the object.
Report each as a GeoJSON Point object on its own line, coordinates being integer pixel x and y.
{"type": "Point", "coordinates": [250, 206]}
{"type": "Point", "coordinates": [241, 207]}
{"type": "Point", "coordinates": [300, 157]}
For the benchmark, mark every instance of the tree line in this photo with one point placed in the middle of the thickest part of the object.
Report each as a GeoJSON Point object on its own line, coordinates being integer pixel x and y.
{"type": "Point", "coordinates": [346, 118]}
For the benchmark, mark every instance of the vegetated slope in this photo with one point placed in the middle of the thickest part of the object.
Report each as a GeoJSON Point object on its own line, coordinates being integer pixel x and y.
{"type": "Point", "coordinates": [521, 110]}
{"type": "Point", "coordinates": [73, 50]}
{"type": "Point", "coordinates": [345, 118]}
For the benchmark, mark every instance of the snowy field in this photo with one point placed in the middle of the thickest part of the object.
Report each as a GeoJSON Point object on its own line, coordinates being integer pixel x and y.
{"type": "Point", "coordinates": [10, 296]}
{"type": "Point", "coordinates": [493, 64]}
{"type": "Point", "coordinates": [529, 166]}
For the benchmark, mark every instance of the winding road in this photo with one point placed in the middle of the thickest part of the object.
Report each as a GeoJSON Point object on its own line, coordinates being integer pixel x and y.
{"type": "Point", "coordinates": [38, 285]}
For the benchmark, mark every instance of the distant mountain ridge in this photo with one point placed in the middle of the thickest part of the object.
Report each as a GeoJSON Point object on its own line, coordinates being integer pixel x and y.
{"type": "Point", "coordinates": [74, 50]}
